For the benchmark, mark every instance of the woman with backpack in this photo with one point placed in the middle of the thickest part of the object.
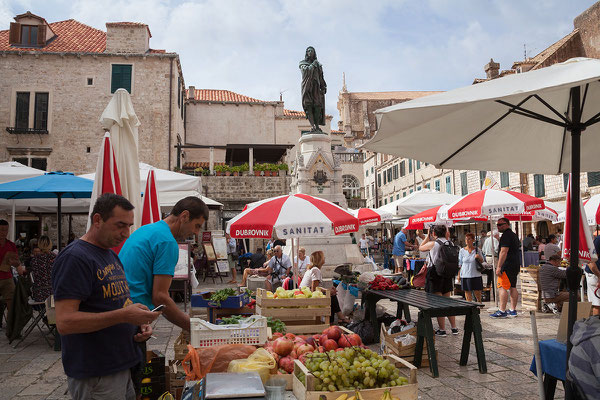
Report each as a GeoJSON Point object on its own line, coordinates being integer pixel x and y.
{"type": "Point", "coordinates": [442, 266]}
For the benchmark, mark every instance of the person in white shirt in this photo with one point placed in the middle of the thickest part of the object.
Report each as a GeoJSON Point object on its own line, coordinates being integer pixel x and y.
{"type": "Point", "coordinates": [552, 247]}
{"type": "Point", "coordinates": [312, 277]}
{"type": "Point", "coordinates": [301, 262]}
{"type": "Point", "coordinates": [278, 267]}
{"type": "Point", "coordinates": [420, 238]}
{"type": "Point", "coordinates": [364, 245]}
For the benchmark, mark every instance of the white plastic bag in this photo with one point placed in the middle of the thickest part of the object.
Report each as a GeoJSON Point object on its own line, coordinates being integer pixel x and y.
{"type": "Point", "coordinates": [194, 281]}
{"type": "Point", "coordinates": [341, 295]}
{"type": "Point", "coordinates": [366, 277]}
{"type": "Point", "coordinates": [348, 306]}
{"type": "Point", "coordinates": [406, 340]}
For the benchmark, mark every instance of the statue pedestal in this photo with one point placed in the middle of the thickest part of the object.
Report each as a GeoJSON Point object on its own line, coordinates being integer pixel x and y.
{"type": "Point", "coordinates": [318, 173]}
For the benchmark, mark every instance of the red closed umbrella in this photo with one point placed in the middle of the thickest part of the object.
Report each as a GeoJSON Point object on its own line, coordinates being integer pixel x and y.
{"type": "Point", "coordinates": [151, 205]}
{"type": "Point", "coordinates": [586, 245]}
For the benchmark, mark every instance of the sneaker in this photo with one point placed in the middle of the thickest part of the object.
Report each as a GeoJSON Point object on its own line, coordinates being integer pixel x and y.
{"type": "Point", "coordinates": [499, 314]}
{"type": "Point", "coordinates": [512, 313]}
{"type": "Point", "coordinates": [455, 331]}
{"type": "Point", "coordinates": [546, 308]}
{"type": "Point", "coordinates": [553, 308]}
{"type": "Point", "coordinates": [440, 333]}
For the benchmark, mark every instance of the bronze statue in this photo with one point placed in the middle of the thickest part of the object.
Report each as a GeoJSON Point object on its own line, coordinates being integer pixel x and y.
{"type": "Point", "coordinates": [313, 90]}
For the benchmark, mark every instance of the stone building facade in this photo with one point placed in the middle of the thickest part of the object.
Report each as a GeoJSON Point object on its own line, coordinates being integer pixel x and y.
{"type": "Point", "coordinates": [54, 91]}
{"type": "Point", "coordinates": [58, 77]}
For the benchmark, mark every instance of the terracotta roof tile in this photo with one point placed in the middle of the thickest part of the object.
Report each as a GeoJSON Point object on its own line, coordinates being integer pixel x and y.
{"type": "Point", "coordinates": [129, 24]}
{"type": "Point", "coordinates": [553, 48]}
{"type": "Point", "coordinates": [223, 96]}
{"type": "Point", "coordinates": [292, 113]}
{"type": "Point", "coordinates": [71, 37]}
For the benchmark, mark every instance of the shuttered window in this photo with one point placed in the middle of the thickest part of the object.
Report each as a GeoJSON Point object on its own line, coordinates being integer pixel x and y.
{"type": "Point", "coordinates": [40, 120]}
{"type": "Point", "coordinates": [437, 185]}
{"type": "Point", "coordinates": [402, 168]}
{"type": "Point", "coordinates": [448, 185]}
{"type": "Point", "coordinates": [482, 175]}
{"type": "Point", "coordinates": [410, 166]}
{"type": "Point", "coordinates": [504, 179]}
{"type": "Point", "coordinates": [593, 178]}
{"type": "Point", "coordinates": [539, 187]}
{"type": "Point", "coordinates": [22, 111]}
{"type": "Point", "coordinates": [121, 77]}
{"type": "Point", "coordinates": [566, 182]}
{"type": "Point", "coordinates": [463, 184]}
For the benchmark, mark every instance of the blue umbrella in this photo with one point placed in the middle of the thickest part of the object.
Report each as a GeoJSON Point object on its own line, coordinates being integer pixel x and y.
{"type": "Point", "coordinates": [50, 185]}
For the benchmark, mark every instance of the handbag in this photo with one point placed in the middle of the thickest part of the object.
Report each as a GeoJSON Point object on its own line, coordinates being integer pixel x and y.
{"type": "Point", "coordinates": [481, 266]}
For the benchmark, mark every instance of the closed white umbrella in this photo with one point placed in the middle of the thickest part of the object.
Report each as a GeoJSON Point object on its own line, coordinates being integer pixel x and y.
{"type": "Point", "coordinates": [120, 120]}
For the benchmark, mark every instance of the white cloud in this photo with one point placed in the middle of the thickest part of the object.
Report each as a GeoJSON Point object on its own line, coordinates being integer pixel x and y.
{"type": "Point", "coordinates": [253, 47]}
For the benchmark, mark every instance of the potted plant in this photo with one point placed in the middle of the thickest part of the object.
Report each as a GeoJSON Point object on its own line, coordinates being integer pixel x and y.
{"type": "Point", "coordinates": [272, 168]}
{"type": "Point", "coordinates": [205, 172]}
{"type": "Point", "coordinates": [244, 168]}
{"type": "Point", "coordinates": [236, 170]}
{"type": "Point", "coordinates": [220, 169]}
{"type": "Point", "coordinates": [283, 167]}
{"type": "Point", "coordinates": [258, 169]}
{"type": "Point", "coordinates": [228, 170]}
{"type": "Point", "coordinates": [197, 171]}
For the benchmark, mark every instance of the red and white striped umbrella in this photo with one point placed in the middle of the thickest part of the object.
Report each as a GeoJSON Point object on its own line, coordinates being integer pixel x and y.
{"type": "Point", "coordinates": [369, 216]}
{"type": "Point", "coordinates": [151, 205]}
{"type": "Point", "coordinates": [592, 211]}
{"type": "Point", "coordinates": [587, 251]}
{"type": "Point", "coordinates": [291, 216]}
{"type": "Point", "coordinates": [546, 214]}
{"type": "Point", "coordinates": [426, 218]}
{"type": "Point", "coordinates": [107, 175]}
{"type": "Point", "coordinates": [493, 202]}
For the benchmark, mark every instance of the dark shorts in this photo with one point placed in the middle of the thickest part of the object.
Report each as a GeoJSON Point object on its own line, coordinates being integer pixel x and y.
{"type": "Point", "coordinates": [469, 284]}
{"type": "Point", "coordinates": [511, 275]}
{"type": "Point", "coordinates": [438, 284]}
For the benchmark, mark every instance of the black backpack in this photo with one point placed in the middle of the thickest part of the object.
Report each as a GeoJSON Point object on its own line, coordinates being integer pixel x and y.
{"type": "Point", "coordinates": [446, 264]}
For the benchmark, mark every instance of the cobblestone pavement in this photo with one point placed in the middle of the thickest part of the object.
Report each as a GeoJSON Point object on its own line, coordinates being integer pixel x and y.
{"type": "Point", "coordinates": [34, 371]}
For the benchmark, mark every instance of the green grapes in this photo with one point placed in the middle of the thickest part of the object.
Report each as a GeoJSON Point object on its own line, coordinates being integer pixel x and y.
{"type": "Point", "coordinates": [352, 368]}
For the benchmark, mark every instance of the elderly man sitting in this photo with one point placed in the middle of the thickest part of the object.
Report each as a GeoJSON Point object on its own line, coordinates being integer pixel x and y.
{"type": "Point", "coordinates": [550, 276]}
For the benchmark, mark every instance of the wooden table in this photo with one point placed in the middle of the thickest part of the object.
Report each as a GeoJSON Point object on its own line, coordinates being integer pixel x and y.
{"type": "Point", "coordinates": [431, 305]}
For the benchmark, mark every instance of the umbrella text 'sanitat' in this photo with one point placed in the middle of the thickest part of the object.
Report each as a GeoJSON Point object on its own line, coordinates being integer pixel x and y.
{"type": "Point", "coordinates": [303, 230]}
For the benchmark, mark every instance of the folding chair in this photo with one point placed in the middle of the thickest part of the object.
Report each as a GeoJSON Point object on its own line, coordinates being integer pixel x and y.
{"type": "Point", "coordinates": [39, 320]}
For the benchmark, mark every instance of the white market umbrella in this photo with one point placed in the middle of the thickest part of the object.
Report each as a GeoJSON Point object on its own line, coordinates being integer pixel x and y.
{"type": "Point", "coordinates": [367, 216]}
{"type": "Point", "coordinates": [417, 202]}
{"type": "Point", "coordinates": [541, 121]}
{"type": "Point", "coordinates": [592, 211]}
{"type": "Point", "coordinates": [291, 216]}
{"type": "Point", "coordinates": [120, 120]}
{"type": "Point", "coordinates": [13, 171]}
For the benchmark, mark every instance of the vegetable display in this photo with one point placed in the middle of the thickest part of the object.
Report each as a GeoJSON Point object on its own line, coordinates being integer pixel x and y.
{"type": "Point", "coordinates": [382, 283]}
{"type": "Point", "coordinates": [221, 295]}
{"type": "Point", "coordinates": [275, 324]}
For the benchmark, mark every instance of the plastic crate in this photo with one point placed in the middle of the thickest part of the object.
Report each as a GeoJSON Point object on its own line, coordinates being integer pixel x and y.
{"type": "Point", "coordinates": [253, 330]}
{"type": "Point", "coordinates": [201, 300]}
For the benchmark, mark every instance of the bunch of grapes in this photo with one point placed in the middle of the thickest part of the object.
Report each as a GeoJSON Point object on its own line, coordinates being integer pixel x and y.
{"type": "Point", "coordinates": [353, 368]}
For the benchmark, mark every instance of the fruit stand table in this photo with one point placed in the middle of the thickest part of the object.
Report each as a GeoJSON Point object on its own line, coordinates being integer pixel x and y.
{"type": "Point", "coordinates": [431, 305]}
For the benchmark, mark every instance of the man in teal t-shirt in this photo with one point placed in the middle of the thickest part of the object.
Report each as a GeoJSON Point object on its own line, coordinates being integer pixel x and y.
{"type": "Point", "coordinates": [150, 254]}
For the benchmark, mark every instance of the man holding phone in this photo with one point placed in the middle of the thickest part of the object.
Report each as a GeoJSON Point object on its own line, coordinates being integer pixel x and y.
{"type": "Point", "coordinates": [95, 316]}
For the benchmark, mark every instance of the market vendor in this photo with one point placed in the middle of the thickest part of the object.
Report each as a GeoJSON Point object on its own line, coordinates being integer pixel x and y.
{"type": "Point", "coordinates": [400, 246]}
{"type": "Point", "coordinates": [279, 268]}
{"type": "Point", "coordinates": [550, 277]}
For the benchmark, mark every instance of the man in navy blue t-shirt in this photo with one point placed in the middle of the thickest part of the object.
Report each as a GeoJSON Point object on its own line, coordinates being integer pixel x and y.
{"type": "Point", "coordinates": [95, 316]}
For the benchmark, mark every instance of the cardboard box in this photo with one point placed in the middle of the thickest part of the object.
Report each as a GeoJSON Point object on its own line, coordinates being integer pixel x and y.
{"type": "Point", "coordinates": [584, 310]}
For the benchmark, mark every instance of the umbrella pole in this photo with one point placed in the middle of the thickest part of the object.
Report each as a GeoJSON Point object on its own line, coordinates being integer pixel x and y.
{"type": "Point", "coordinates": [13, 228]}
{"type": "Point", "coordinates": [494, 265]}
{"type": "Point", "coordinates": [573, 271]}
{"type": "Point", "coordinates": [59, 217]}
{"type": "Point", "coordinates": [538, 357]}
{"type": "Point", "coordinates": [522, 243]}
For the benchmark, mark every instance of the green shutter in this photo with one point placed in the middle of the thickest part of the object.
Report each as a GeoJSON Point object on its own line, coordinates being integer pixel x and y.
{"type": "Point", "coordinates": [538, 183]}
{"type": "Point", "coordinates": [504, 179]}
{"type": "Point", "coordinates": [121, 77]}
{"type": "Point", "coordinates": [593, 179]}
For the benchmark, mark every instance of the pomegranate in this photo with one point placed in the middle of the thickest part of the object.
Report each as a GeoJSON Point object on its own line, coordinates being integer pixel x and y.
{"type": "Point", "coordinates": [293, 355]}
{"type": "Point", "coordinates": [322, 339]}
{"type": "Point", "coordinates": [305, 348]}
{"type": "Point", "coordinates": [283, 346]}
{"type": "Point", "coordinates": [344, 342]}
{"type": "Point", "coordinates": [311, 340]}
{"type": "Point", "coordinates": [355, 339]}
{"type": "Point", "coordinates": [290, 336]}
{"type": "Point", "coordinates": [287, 364]}
{"type": "Point", "coordinates": [277, 335]}
{"type": "Point", "coordinates": [333, 332]}
{"type": "Point", "coordinates": [330, 344]}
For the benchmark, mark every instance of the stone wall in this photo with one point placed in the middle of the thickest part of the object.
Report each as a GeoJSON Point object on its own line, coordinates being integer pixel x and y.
{"type": "Point", "coordinates": [127, 38]}
{"type": "Point", "coordinates": [236, 191]}
{"type": "Point", "coordinates": [589, 31]}
{"type": "Point", "coordinates": [75, 106]}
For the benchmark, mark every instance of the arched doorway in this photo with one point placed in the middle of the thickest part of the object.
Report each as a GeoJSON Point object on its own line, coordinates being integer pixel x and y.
{"type": "Point", "coordinates": [350, 186]}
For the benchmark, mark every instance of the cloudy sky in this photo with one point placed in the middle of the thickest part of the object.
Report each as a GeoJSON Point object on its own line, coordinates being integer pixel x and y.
{"type": "Point", "coordinates": [253, 47]}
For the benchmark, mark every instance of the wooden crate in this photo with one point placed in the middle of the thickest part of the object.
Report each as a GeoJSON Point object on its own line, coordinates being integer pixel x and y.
{"type": "Point", "coordinates": [531, 294]}
{"type": "Point", "coordinates": [406, 392]}
{"type": "Point", "coordinates": [388, 345]}
{"type": "Point", "coordinates": [299, 319]}
{"type": "Point", "coordinates": [180, 345]}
